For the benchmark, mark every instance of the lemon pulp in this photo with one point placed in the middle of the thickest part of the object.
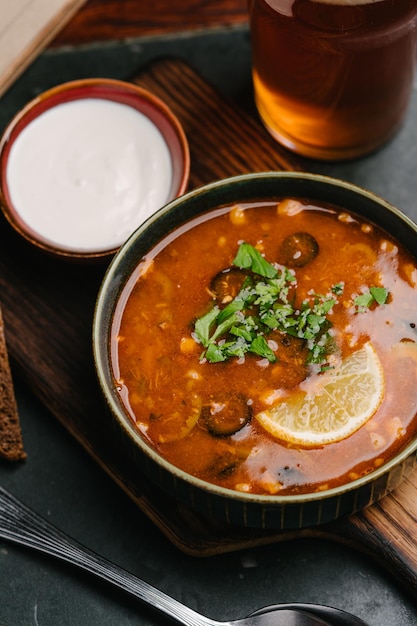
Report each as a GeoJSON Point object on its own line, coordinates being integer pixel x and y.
{"type": "Point", "coordinates": [337, 404]}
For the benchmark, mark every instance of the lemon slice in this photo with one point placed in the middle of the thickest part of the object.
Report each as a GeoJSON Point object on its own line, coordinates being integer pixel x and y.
{"type": "Point", "coordinates": [337, 404]}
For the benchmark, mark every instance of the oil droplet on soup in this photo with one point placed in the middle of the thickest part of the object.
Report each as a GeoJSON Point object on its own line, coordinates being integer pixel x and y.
{"type": "Point", "coordinates": [216, 331]}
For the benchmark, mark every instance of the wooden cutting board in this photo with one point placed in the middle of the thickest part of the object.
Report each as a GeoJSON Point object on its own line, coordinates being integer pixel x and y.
{"type": "Point", "coordinates": [48, 309]}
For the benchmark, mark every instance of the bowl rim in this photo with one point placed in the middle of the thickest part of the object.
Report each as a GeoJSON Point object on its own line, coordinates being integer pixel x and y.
{"type": "Point", "coordinates": [115, 90]}
{"type": "Point", "coordinates": [100, 348]}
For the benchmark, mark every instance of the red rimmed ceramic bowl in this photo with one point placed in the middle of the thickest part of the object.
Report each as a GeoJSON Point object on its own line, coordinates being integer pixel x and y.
{"type": "Point", "coordinates": [86, 162]}
{"type": "Point", "coordinates": [129, 408]}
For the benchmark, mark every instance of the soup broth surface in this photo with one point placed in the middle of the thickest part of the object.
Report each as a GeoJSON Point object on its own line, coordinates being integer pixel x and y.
{"type": "Point", "coordinates": [173, 393]}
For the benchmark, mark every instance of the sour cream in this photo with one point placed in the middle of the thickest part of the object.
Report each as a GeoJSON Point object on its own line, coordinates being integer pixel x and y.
{"type": "Point", "coordinates": [86, 173]}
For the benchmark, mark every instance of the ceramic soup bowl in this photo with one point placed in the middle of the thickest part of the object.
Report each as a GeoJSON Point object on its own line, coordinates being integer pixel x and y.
{"type": "Point", "coordinates": [240, 483]}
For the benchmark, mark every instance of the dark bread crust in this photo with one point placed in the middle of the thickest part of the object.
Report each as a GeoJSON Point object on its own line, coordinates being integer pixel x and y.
{"type": "Point", "coordinates": [11, 443]}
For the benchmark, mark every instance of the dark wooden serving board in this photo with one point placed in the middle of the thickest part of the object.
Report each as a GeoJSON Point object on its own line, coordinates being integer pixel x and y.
{"type": "Point", "coordinates": [48, 309]}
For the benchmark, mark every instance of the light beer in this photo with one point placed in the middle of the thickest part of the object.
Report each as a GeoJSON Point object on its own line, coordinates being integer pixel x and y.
{"type": "Point", "coordinates": [333, 78]}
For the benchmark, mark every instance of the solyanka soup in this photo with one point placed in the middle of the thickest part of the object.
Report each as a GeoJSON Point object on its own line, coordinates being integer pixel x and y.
{"type": "Point", "coordinates": [270, 347]}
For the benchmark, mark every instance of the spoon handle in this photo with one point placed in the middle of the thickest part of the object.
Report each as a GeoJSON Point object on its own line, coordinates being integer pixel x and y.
{"type": "Point", "coordinates": [20, 524]}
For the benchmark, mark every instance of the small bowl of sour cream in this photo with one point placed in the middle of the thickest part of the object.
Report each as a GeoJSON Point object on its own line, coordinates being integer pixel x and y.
{"type": "Point", "coordinates": [87, 162]}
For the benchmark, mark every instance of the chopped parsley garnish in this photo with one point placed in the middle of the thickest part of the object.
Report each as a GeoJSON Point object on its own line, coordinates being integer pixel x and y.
{"type": "Point", "coordinates": [375, 296]}
{"type": "Point", "coordinates": [248, 257]}
{"type": "Point", "coordinates": [265, 303]}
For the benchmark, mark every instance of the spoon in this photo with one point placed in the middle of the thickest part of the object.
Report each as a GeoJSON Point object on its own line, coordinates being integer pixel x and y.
{"type": "Point", "coordinates": [20, 524]}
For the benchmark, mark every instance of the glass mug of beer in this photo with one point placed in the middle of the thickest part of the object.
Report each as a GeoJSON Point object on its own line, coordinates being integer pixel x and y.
{"type": "Point", "coordinates": [333, 78]}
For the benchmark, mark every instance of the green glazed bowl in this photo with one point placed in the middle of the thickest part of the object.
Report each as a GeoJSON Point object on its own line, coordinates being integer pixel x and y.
{"type": "Point", "coordinates": [244, 509]}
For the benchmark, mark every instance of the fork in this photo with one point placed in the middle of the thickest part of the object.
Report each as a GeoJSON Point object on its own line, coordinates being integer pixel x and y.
{"type": "Point", "coordinates": [20, 524]}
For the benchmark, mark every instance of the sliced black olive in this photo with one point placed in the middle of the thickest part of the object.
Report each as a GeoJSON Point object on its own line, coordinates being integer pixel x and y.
{"type": "Point", "coordinates": [292, 359]}
{"type": "Point", "coordinates": [297, 250]}
{"type": "Point", "coordinates": [226, 414]}
{"type": "Point", "coordinates": [226, 284]}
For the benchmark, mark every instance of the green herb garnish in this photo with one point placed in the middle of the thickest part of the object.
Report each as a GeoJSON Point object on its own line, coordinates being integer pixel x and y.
{"type": "Point", "coordinates": [249, 258]}
{"type": "Point", "coordinates": [265, 303]}
{"type": "Point", "coordinates": [375, 296]}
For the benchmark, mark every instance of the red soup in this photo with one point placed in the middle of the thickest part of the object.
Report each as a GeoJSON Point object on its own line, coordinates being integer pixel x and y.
{"type": "Point", "coordinates": [271, 348]}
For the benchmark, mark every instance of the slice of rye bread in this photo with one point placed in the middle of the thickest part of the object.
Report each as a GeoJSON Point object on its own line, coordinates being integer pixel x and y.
{"type": "Point", "coordinates": [11, 443]}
